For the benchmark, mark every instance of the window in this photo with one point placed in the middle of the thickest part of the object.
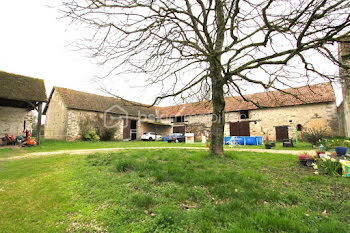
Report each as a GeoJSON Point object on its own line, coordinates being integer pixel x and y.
{"type": "Point", "coordinates": [299, 127]}
{"type": "Point", "coordinates": [244, 114]}
{"type": "Point", "coordinates": [180, 119]}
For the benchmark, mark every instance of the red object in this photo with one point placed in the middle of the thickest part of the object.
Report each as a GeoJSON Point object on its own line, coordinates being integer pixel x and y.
{"type": "Point", "coordinates": [27, 134]}
{"type": "Point", "coordinates": [318, 153]}
{"type": "Point", "coordinates": [31, 142]}
{"type": "Point", "coordinates": [303, 157]}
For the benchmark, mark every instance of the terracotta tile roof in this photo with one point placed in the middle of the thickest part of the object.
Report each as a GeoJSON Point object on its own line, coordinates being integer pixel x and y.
{"type": "Point", "coordinates": [90, 102]}
{"type": "Point", "coordinates": [318, 93]}
{"type": "Point", "coordinates": [18, 87]}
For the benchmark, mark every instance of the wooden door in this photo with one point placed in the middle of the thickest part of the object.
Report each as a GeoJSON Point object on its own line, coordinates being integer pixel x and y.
{"type": "Point", "coordinates": [179, 129]}
{"type": "Point", "coordinates": [281, 133]}
{"type": "Point", "coordinates": [126, 129]}
{"type": "Point", "coordinates": [240, 128]}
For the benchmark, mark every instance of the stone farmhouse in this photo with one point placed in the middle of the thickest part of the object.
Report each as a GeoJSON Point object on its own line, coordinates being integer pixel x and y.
{"type": "Point", "coordinates": [68, 109]}
{"type": "Point", "coordinates": [19, 95]}
{"type": "Point", "coordinates": [281, 117]}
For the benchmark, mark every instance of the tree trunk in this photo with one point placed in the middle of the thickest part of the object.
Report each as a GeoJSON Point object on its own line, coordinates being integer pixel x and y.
{"type": "Point", "coordinates": [38, 126]}
{"type": "Point", "coordinates": [218, 119]}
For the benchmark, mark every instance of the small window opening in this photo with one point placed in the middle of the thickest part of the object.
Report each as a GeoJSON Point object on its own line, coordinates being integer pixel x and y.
{"type": "Point", "coordinates": [299, 127]}
{"type": "Point", "coordinates": [180, 119]}
{"type": "Point", "coordinates": [244, 114]}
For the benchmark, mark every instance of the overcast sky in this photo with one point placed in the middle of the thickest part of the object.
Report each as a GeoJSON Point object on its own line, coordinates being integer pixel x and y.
{"type": "Point", "coordinates": [34, 42]}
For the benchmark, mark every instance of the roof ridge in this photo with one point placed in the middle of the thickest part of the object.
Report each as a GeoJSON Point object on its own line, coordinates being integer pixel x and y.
{"type": "Point", "coordinates": [110, 97]}
{"type": "Point", "coordinates": [83, 92]}
{"type": "Point", "coordinates": [21, 75]}
{"type": "Point", "coordinates": [310, 94]}
{"type": "Point", "coordinates": [251, 94]}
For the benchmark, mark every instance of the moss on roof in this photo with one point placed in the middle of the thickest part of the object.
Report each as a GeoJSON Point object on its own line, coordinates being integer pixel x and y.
{"type": "Point", "coordinates": [18, 87]}
{"type": "Point", "coordinates": [91, 102]}
{"type": "Point", "coordinates": [318, 93]}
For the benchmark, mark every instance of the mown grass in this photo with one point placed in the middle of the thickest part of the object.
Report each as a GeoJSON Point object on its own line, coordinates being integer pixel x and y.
{"type": "Point", "coordinates": [170, 191]}
{"type": "Point", "coordinates": [54, 145]}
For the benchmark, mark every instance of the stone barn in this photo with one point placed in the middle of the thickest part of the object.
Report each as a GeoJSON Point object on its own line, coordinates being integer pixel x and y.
{"type": "Point", "coordinates": [69, 113]}
{"type": "Point", "coordinates": [19, 95]}
{"type": "Point", "coordinates": [281, 117]}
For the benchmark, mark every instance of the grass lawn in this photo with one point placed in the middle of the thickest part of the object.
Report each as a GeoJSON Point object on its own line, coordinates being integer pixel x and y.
{"type": "Point", "coordinates": [54, 145]}
{"type": "Point", "coordinates": [170, 191]}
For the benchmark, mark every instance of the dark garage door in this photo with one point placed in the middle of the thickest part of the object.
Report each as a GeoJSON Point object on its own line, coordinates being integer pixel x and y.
{"type": "Point", "coordinates": [239, 128]}
{"type": "Point", "coordinates": [281, 133]}
{"type": "Point", "coordinates": [126, 129]}
{"type": "Point", "coordinates": [179, 129]}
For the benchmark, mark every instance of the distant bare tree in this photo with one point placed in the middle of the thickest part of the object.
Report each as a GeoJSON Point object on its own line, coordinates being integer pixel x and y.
{"type": "Point", "coordinates": [212, 46]}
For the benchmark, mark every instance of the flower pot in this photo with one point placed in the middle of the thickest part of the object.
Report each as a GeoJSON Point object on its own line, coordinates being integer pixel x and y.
{"type": "Point", "coordinates": [340, 150]}
{"type": "Point", "coordinates": [273, 144]}
{"type": "Point", "coordinates": [306, 160]}
{"type": "Point", "coordinates": [318, 153]}
{"type": "Point", "coordinates": [267, 146]}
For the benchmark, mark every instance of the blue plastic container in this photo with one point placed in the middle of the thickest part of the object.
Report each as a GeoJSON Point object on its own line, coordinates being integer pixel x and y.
{"type": "Point", "coordinates": [240, 140]}
{"type": "Point", "coordinates": [340, 150]}
{"type": "Point", "coordinates": [245, 140]}
{"type": "Point", "coordinates": [165, 139]}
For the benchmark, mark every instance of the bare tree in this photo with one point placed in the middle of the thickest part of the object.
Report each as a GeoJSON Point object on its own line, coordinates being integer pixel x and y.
{"type": "Point", "coordinates": [212, 46]}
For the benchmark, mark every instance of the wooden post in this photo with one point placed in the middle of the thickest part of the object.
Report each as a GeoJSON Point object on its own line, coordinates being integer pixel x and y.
{"type": "Point", "coordinates": [39, 123]}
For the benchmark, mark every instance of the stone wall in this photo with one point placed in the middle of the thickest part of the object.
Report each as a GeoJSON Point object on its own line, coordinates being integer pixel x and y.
{"type": "Point", "coordinates": [264, 121]}
{"type": "Point", "coordinates": [162, 130]}
{"type": "Point", "coordinates": [12, 121]}
{"type": "Point", "coordinates": [77, 117]}
{"type": "Point", "coordinates": [56, 119]}
{"type": "Point", "coordinates": [322, 115]}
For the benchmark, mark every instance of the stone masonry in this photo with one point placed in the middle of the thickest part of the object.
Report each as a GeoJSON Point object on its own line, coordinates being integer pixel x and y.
{"type": "Point", "coordinates": [264, 121]}
{"type": "Point", "coordinates": [12, 120]}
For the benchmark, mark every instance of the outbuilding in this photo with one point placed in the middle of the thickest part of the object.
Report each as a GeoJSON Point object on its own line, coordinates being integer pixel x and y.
{"type": "Point", "coordinates": [19, 96]}
{"type": "Point", "coordinates": [69, 113]}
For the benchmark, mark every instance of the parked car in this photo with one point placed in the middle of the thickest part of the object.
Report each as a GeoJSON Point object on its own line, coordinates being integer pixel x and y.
{"type": "Point", "coordinates": [176, 137]}
{"type": "Point", "coordinates": [151, 136]}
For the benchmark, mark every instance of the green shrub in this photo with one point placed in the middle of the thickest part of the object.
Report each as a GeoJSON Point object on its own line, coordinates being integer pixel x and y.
{"type": "Point", "coordinates": [327, 166]}
{"type": "Point", "coordinates": [97, 124]}
{"type": "Point", "coordinates": [332, 142]}
{"type": "Point", "coordinates": [91, 136]}
{"type": "Point", "coordinates": [106, 134]}
{"type": "Point", "coordinates": [314, 135]}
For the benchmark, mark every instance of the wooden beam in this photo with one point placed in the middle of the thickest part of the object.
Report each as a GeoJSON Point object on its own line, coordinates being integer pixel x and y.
{"type": "Point", "coordinates": [40, 106]}
{"type": "Point", "coordinates": [31, 104]}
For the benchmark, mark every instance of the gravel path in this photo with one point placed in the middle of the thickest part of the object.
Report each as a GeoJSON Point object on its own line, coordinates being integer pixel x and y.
{"type": "Point", "coordinates": [90, 151]}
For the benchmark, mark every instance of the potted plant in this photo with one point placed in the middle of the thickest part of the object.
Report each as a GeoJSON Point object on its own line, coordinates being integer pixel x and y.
{"type": "Point", "coordinates": [306, 159]}
{"type": "Point", "coordinates": [341, 150]}
{"type": "Point", "coordinates": [267, 142]}
{"type": "Point", "coordinates": [340, 147]}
